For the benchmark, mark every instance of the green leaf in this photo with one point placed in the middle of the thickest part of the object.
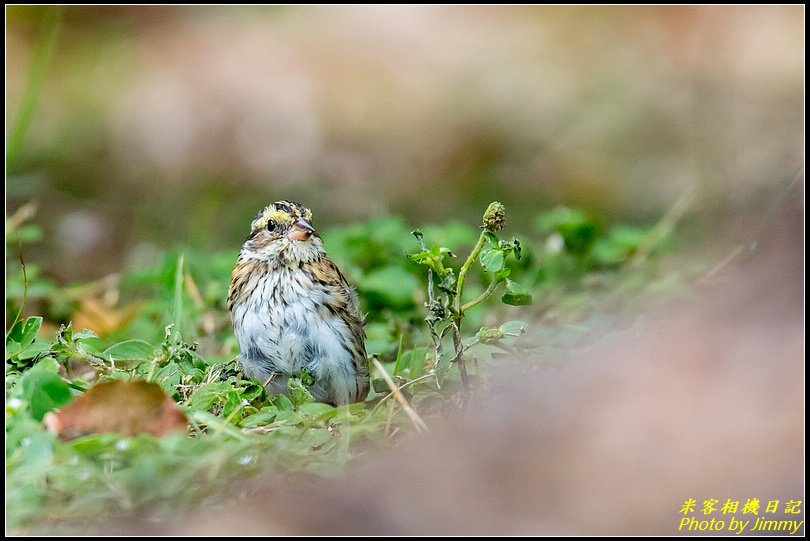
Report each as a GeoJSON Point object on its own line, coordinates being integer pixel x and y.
{"type": "Point", "coordinates": [29, 330]}
{"type": "Point", "coordinates": [491, 259]}
{"type": "Point", "coordinates": [299, 394]}
{"type": "Point", "coordinates": [43, 389]}
{"type": "Point", "coordinates": [233, 402]}
{"type": "Point", "coordinates": [491, 237]}
{"type": "Point", "coordinates": [15, 334]}
{"type": "Point", "coordinates": [414, 362]}
{"type": "Point", "coordinates": [283, 403]}
{"type": "Point", "coordinates": [208, 395]}
{"type": "Point", "coordinates": [288, 417]}
{"type": "Point", "coordinates": [502, 274]}
{"type": "Point", "coordinates": [470, 341]}
{"type": "Point", "coordinates": [513, 328]}
{"type": "Point", "coordinates": [91, 346]}
{"type": "Point", "coordinates": [83, 335]}
{"type": "Point", "coordinates": [380, 386]}
{"type": "Point", "coordinates": [130, 350]}
{"type": "Point", "coordinates": [511, 247]}
{"type": "Point", "coordinates": [13, 349]}
{"type": "Point", "coordinates": [318, 410]}
{"type": "Point", "coordinates": [177, 305]}
{"type": "Point", "coordinates": [38, 449]}
{"type": "Point", "coordinates": [33, 350]}
{"type": "Point", "coordinates": [250, 389]}
{"type": "Point", "coordinates": [316, 437]}
{"type": "Point", "coordinates": [169, 377]}
{"type": "Point", "coordinates": [262, 418]}
{"type": "Point", "coordinates": [422, 257]}
{"type": "Point", "coordinates": [516, 294]}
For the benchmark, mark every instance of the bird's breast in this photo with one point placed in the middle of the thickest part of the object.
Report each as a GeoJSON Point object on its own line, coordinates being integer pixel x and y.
{"type": "Point", "coordinates": [283, 326]}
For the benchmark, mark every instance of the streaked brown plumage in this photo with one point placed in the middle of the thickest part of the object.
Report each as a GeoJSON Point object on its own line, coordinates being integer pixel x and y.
{"type": "Point", "coordinates": [293, 310]}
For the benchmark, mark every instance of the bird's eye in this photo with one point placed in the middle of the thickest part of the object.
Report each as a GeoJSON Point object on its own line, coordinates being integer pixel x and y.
{"type": "Point", "coordinates": [271, 225]}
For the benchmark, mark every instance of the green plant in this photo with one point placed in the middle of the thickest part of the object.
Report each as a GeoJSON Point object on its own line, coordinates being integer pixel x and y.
{"type": "Point", "coordinates": [446, 308]}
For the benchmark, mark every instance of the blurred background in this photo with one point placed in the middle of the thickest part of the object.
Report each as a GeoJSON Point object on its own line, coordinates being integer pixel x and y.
{"type": "Point", "coordinates": [159, 127]}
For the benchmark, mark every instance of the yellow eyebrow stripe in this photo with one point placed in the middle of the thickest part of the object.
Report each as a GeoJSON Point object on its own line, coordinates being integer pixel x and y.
{"type": "Point", "coordinates": [270, 213]}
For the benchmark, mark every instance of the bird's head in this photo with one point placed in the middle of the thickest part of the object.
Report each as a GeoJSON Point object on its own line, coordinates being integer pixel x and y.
{"type": "Point", "coordinates": [282, 233]}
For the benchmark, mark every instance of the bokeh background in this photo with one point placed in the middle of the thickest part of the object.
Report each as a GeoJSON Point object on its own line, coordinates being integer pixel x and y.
{"type": "Point", "coordinates": [160, 127]}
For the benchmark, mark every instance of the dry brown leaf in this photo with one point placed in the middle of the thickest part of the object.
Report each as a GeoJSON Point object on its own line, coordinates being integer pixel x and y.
{"type": "Point", "coordinates": [128, 408]}
{"type": "Point", "coordinates": [99, 317]}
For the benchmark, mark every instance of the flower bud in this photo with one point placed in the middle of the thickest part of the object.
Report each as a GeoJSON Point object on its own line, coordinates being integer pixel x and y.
{"type": "Point", "coordinates": [489, 336]}
{"type": "Point", "coordinates": [494, 217]}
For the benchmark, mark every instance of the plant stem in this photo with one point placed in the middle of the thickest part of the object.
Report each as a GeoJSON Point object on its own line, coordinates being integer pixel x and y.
{"type": "Point", "coordinates": [152, 369]}
{"type": "Point", "coordinates": [458, 313]}
{"type": "Point", "coordinates": [431, 298]}
{"type": "Point", "coordinates": [459, 358]}
{"type": "Point", "coordinates": [437, 340]}
{"type": "Point", "coordinates": [482, 297]}
{"type": "Point", "coordinates": [25, 293]}
{"type": "Point", "coordinates": [463, 273]}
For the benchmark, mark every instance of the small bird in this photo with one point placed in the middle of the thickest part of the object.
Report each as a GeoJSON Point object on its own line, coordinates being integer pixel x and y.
{"type": "Point", "coordinates": [294, 311]}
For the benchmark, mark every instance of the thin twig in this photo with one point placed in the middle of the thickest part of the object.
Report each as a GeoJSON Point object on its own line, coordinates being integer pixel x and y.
{"type": "Point", "coordinates": [417, 421]}
{"type": "Point", "coordinates": [429, 375]}
{"type": "Point", "coordinates": [193, 291]}
{"type": "Point", "coordinates": [25, 292]}
{"type": "Point", "coordinates": [20, 216]}
{"type": "Point", "coordinates": [722, 264]}
{"type": "Point", "coordinates": [765, 217]}
{"type": "Point", "coordinates": [662, 228]}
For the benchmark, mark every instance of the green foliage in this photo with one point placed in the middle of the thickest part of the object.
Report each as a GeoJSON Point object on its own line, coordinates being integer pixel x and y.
{"type": "Point", "coordinates": [446, 309]}
{"type": "Point", "coordinates": [578, 230]}
{"type": "Point", "coordinates": [130, 350]}
{"type": "Point", "coordinates": [516, 294]}
{"type": "Point", "coordinates": [574, 234]}
{"type": "Point", "coordinates": [43, 389]}
{"type": "Point", "coordinates": [179, 336]}
{"type": "Point", "coordinates": [299, 394]}
{"type": "Point", "coordinates": [22, 346]}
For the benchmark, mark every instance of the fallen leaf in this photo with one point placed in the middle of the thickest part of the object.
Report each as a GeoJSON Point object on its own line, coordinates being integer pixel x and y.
{"type": "Point", "coordinates": [128, 408]}
{"type": "Point", "coordinates": [102, 318]}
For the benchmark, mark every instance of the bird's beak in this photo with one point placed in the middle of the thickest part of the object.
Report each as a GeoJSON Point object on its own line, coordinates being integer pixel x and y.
{"type": "Point", "coordinates": [301, 230]}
